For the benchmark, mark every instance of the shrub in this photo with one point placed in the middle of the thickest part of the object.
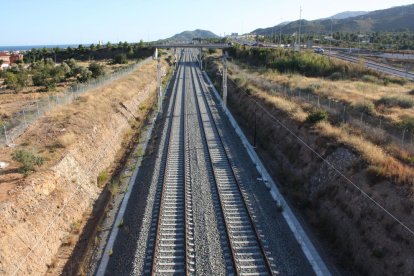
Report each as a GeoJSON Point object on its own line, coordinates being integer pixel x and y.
{"type": "Point", "coordinates": [96, 69]}
{"type": "Point", "coordinates": [403, 102]}
{"type": "Point", "coordinates": [407, 123]}
{"type": "Point", "coordinates": [121, 59]}
{"type": "Point", "coordinates": [66, 139]}
{"type": "Point", "coordinates": [336, 76]}
{"type": "Point", "coordinates": [102, 177]}
{"type": "Point", "coordinates": [369, 78]}
{"type": "Point", "coordinates": [365, 107]}
{"type": "Point", "coordinates": [84, 74]}
{"type": "Point", "coordinates": [28, 160]}
{"type": "Point", "coordinates": [317, 116]}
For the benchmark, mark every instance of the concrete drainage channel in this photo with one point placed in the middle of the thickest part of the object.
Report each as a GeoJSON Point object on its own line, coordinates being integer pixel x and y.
{"type": "Point", "coordinates": [103, 254]}
{"type": "Point", "coordinates": [308, 248]}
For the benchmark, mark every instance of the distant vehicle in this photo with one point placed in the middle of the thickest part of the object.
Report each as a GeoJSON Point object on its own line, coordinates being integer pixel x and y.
{"type": "Point", "coordinates": [319, 50]}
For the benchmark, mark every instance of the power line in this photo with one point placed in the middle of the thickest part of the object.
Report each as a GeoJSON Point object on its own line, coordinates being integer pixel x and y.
{"type": "Point", "coordinates": [327, 162]}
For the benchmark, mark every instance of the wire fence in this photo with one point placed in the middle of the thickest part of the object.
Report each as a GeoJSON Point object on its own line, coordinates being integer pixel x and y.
{"type": "Point", "coordinates": [21, 120]}
{"type": "Point", "coordinates": [377, 127]}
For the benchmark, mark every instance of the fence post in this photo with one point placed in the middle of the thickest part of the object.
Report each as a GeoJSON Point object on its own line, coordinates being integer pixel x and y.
{"type": "Point", "coordinates": [37, 106]}
{"type": "Point", "coordinates": [344, 113]}
{"type": "Point", "coordinates": [5, 135]}
{"type": "Point", "coordinates": [402, 139]}
{"type": "Point", "coordinates": [319, 105]}
{"type": "Point", "coordinates": [24, 118]}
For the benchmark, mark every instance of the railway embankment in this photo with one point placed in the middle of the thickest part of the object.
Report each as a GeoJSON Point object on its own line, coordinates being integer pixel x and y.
{"type": "Point", "coordinates": [43, 212]}
{"type": "Point", "coordinates": [345, 200]}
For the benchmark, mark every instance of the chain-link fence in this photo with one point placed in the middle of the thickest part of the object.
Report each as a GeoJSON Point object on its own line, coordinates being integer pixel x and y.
{"type": "Point", "coordinates": [378, 128]}
{"type": "Point", "coordinates": [21, 120]}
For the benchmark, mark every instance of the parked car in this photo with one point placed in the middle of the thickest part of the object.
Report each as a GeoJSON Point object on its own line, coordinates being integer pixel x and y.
{"type": "Point", "coordinates": [319, 50]}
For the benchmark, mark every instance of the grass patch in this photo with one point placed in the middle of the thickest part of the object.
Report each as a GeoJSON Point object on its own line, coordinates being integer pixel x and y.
{"type": "Point", "coordinates": [66, 139]}
{"type": "Point", "coordinates": [102, 178]}
{"type": "Point", "coordinates": [365, 107]}
{"type": "Point", "coordinates": [403, 102]}
{"type": "Point", "coordinates": [317, 116]}
{"type": "Point", "coordinates": [28, 160]}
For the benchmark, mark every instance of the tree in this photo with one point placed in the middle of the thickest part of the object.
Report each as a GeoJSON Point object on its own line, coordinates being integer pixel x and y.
{"type": "Point", "coordinates": [120, 59]}
{"type": "Point", "coordinates": [16, 81]}
{"type": "Point", "coordinates": [84, 74]}
{"type": "Point", "coordinates": [96, 69]}
{"type": "Point", "coordinates": [108, 45]}
{"type": "Point", "coordinates": [92, 47]}
{"type": "Point", "coordinates": [10, 80]}
{"type": "Point", "coordinates": [141, 43]}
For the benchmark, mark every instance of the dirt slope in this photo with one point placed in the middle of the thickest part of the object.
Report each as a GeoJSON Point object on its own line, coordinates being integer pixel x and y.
{"type": "Point", "coordinates": [78, 142]}
{"type": "Point", "coordinates": [359, 235]}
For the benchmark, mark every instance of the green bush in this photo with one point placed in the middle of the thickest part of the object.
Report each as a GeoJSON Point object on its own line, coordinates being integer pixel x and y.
{"type": "Point", "coordinates": [365, 107]}
{"type": "Point", "coordinates": [408, 123]}
{"type": "Point", "coordinates": [317, 116]}
{"type": "Point", "coordinates": [369, 78]}
{"type": "Point", "coordinates": [96, 69]}
{"type": "Point", "coordinates": [84, 74]}
{"type": "Point", "coordinates": [121, 59]}
{"type": "Point", "coordinates": [336, 76]}
{"type": "Point", "coordinates": [403, 102]}
{"type": "Point", "coordinates": [28, 160]}
{"type": "Point", "coordinates": [102, 178]}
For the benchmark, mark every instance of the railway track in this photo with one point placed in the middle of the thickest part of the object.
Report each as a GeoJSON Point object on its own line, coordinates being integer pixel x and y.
{"type": "Point", "coordinates": [170, 249]}
{"type": "Point", "coordinates": [247, 246]}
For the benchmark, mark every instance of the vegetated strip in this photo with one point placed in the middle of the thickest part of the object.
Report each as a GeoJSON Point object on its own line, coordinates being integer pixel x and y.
{"type": "Point", "coordinates": [411, 231]}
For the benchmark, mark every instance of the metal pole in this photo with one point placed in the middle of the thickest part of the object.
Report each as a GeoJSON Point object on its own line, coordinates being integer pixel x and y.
{"type": "Point", "coordinates": [5, 135]}
{"type": "Point", "coordinates": [255, 126]}
{"type": "Point", "coordinates": [225, 80]}
{"type": "Point", "coordinates": [159, 86]}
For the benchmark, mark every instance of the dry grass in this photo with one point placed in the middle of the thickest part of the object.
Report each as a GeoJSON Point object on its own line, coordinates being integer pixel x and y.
{"type": "Point", "coordinates": [373, 154]}
{"type": "Point", "coordinates": [389, 166]}
{"type": "Point", "coordinates": [351, 92]}
{"type": "Point", "coordinates": [66, 139]}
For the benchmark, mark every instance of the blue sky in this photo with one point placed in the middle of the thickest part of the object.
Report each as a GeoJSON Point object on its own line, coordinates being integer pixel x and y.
{"type": "Point", "coordinates": [34, 22]}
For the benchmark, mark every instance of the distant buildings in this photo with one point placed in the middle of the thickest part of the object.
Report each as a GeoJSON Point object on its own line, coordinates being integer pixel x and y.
{"type": "Point", "coordinates": [9, 58]}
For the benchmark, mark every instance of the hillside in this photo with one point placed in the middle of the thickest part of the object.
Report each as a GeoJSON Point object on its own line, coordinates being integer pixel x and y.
{"type": "Point", "coordinates": [347, 14]}
{"type": "Point", "coordinates": [188, 36]}
{"type": "Point", "coordinates": [393, 19]}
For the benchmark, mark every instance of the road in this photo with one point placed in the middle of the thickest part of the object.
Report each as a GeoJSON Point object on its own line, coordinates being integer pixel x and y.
{"type": "Point", "coordinates": [375, 66]}
{"type": "Point", "coordinates": [204, 210]}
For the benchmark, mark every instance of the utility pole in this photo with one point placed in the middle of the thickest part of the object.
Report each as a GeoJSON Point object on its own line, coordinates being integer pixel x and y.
{"type": "Point", "coordinates": [159, 89]}
{"type": "Point", "coordinates": [300, 23]}
{"type": "Point", "coordinates": [330, 41]}
{"type": "Point", "coordinates": [225, 79]}
{"type": "Point", "coordinates": [280, 32]}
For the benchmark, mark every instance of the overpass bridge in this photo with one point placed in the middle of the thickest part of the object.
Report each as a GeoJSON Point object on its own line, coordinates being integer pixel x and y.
{"type": "Point", "coordinates": [193, 45]}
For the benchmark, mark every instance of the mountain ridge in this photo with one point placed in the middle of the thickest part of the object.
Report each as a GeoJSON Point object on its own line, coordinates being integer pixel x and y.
{"type": "Point", "coordinates": [386, 20]}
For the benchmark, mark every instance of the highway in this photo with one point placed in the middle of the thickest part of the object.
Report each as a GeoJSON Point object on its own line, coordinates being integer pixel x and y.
{"type": "Point", "coordinates": [206, 210]}
{"type": "Point", "coordinates": [374, 65]}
